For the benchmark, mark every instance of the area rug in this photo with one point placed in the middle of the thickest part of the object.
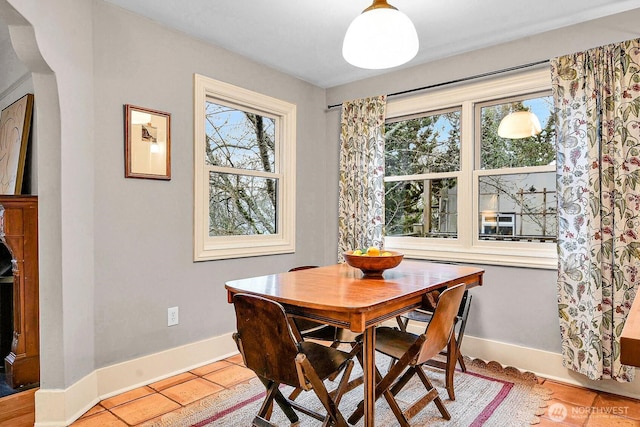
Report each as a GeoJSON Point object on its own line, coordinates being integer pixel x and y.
{"type": "Point", "coordinates": [486, 395]}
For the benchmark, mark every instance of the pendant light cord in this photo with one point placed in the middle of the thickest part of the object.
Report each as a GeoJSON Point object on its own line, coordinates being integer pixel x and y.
{"type": "Point", "coordinates": [464, 79]}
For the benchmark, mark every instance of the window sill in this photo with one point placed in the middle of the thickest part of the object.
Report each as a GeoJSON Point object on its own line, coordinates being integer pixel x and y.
{"type": "Point", "coordinates": [525, 257]}
{"type": "Point", "coordinates": [243, 247]}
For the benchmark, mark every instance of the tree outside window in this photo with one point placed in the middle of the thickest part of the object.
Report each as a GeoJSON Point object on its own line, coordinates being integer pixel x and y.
{"type": "Point", "coordinates": [515, 179]}
{"type": "Point", "coordinates": [513, 203]}
{"type": "Point", "coordinates": [421, 154]}
{"type": "Point", "coordinates": [456, 191]}
{"type": "Point", "coordinates": [240, 203]}
{"type": "Point", "coordinates": [244, 172]}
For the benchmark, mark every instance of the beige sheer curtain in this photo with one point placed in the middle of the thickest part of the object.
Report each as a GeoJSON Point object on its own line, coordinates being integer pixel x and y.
{"type": "Point", "coordinates": [597, 100]}
{"type": "Point", "coordinates": [361, 199]}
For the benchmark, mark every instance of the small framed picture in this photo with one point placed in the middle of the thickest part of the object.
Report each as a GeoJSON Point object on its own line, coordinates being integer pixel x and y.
{"type": "Point", "coordinates": [147, 146]}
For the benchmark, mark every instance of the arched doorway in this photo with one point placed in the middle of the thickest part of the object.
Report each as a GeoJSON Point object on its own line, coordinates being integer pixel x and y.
{"type": "Point", "coordinates": [35, 76]}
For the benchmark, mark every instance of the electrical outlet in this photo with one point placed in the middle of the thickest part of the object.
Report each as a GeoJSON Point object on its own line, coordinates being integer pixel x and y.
{"type": "Point", "coordinates": [172, 316]}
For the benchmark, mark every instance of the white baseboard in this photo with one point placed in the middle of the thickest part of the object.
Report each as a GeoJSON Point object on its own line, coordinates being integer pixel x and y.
{"type": "Point", "coordinates": [542, 363]}
{"type": "Point", "coordinates": [59, 408]}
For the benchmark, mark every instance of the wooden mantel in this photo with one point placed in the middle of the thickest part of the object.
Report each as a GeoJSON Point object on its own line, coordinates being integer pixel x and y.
{"type": "Point", "coordinates": [19, 233]}
{"type": "Point", "coordinates": [630, 338]}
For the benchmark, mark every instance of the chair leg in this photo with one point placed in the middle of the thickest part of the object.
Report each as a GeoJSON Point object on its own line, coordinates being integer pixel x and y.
{"type": "Point", "coordinates": [436, 398]}
{"type": "Point", "coordinates": [382, 388]}
{"type": "Point", "coordinates": [356, 351]}
{"type": "Point", "coordinates": [267, 403]}
{"type": "Point", "coordinates": [463, 366]}
{"type": "Point", "coordinates": [355, 348]}
{"type": "Point", "coordinates": [402, 323]}
{"type": "Point", "coordinates": [342, 388]}
{"type": "Point", "coordinates": [404, 379]}
{"type": "Point", "coordinates": [392, 361]}
{"type": "Point", "coordinates": [452, 357]}
{"type": "Point", "coordinates": [274, 394]}
{"type": "Point", "coordinates": [390, 394]}
{"type": "Point", "coordinates": [397, 411]}
{"type": "Point", "coordinates": [318, 386]}
{"type": "Point", "coordinates": [295, 393]}
{"type": "Point", "coordinates": [463, 324]}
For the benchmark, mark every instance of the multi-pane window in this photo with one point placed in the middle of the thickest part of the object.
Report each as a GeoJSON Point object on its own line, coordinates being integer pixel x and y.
{"type": "Point", "coordinates": [244, 172]}
{"type": "Point", "coordinates": [422, 161]}
{"type": "Point", "coordinates": [240, 154]}
{"type": "Point", "coordinates": [516, 177]}
{"type": "Point", "coordinates": [455, 190]}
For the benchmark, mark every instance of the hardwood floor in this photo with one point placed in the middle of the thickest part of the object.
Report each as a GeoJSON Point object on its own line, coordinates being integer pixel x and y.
{"type": "Point", "coordinates": [582, 407]}
{"type": "Point", "coordinates": [17, 410]}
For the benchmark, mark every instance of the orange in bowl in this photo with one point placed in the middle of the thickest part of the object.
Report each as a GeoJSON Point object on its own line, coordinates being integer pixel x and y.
{"type": "Point", "coordinates": [373, 266]}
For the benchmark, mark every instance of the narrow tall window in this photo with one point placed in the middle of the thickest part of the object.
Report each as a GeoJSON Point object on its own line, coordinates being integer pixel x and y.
{"type": "Point", "coordinates": [244, 172]}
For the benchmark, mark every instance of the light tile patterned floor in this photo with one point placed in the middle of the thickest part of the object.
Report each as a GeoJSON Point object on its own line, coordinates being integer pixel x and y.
{"type": "Point", "coordinates": [574, 405]}
{"type": "Point", "coordinates": [146, 403]}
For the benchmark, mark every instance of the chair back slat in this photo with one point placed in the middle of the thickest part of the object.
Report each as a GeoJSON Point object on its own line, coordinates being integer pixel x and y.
{"type": "Point", "coordinates": [265, 339]}
{"type": "Point", "coordinates": [441, 326]}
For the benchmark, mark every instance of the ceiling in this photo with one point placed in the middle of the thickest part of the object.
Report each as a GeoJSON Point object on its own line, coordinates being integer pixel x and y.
{"type": "Point", "coordinates": [303, 38]}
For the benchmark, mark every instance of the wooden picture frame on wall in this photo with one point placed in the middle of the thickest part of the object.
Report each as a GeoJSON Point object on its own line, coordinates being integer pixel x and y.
{"type": "Point", "coordinates": [15, 125]}
{"type": "Point", "coordinates": [147, 144]}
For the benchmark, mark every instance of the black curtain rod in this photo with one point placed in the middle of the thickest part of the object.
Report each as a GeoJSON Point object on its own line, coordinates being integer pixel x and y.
{"type": "Point", "coordinates": [464, 79]}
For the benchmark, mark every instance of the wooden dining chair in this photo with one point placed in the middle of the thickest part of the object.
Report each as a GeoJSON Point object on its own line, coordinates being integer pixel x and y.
{"type": "Point", "coordinates": [424, 315]}
{"type": "Point", "coordinates": [270, 349]}
{"type": "Point", "coordinates": [411, 352]}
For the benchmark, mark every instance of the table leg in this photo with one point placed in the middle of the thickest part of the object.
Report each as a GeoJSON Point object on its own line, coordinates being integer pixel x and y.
{"type": "Point", "coordinates": [369, 369]}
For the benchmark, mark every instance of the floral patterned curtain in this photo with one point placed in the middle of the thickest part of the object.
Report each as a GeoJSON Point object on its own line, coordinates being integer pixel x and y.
{"type": "Point", "coordinates": [361, 203]}
{"type": "Point", "coordinates": [597, 102]}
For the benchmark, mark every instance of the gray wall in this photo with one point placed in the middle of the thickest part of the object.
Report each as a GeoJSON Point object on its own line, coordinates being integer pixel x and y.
{"type": "Point", "coordinates": [516, 306]}
{"type": "Point", "coordinates": [12, 68]}
{"type": "Point", "coordinates": [143, 228]}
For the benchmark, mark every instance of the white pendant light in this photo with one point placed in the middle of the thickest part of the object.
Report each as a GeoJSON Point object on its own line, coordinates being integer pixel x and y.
{"type": "Point", "coordinates": [519, 124]}
{"type": "Point", "coordinates": [381, 37]}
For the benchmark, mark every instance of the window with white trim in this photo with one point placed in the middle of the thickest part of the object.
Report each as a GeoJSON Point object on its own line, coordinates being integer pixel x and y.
{"type": "Point", "coordinates": [456, 191]}
{"type": "Point", "coordinates": [422, 169]}
{"type": "Point", "coordinates": [516, 178]}
{"type": "Point", "coordinates": [244, 172]}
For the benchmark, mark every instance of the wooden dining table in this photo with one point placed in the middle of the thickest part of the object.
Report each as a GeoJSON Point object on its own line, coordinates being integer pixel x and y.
{"type": "Point", "coordinates": [339, 295]}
